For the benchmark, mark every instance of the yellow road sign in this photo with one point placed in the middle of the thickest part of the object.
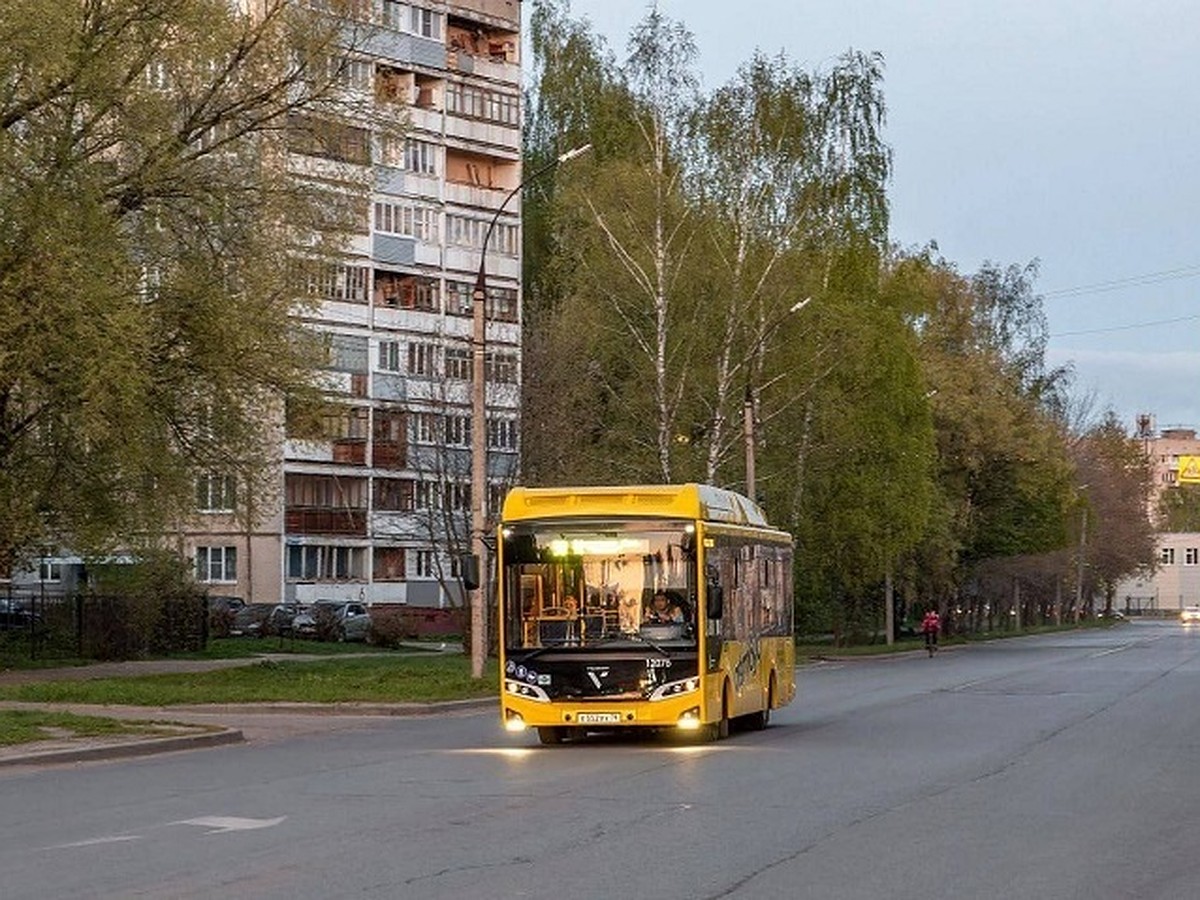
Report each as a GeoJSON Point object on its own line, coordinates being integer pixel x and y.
{"type": "Point", "coordinates": [1189, 470]}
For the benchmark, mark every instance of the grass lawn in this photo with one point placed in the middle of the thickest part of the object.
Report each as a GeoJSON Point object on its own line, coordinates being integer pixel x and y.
{"type": "Point", "coordinates": [14, 650]}
{"type": "Point", "coordinates": [21, 726]}
{"type": "Point", "coordinates": [378, 679]}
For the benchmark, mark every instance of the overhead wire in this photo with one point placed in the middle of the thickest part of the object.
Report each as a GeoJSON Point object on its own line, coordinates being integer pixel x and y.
{"type": "Point", "coordinates": [1100, 287]}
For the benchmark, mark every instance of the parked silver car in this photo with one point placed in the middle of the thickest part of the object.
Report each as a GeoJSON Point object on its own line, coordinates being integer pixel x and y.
{"type": "Point", "coordinates": [333, 620]}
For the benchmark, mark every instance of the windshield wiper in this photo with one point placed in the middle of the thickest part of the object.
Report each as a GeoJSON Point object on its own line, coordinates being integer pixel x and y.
{"type": "Point", "coordinates": [631, 635]}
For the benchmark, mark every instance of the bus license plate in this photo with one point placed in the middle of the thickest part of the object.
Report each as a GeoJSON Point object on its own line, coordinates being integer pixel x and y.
{"type": "Point", "coordinates": [598, 718]}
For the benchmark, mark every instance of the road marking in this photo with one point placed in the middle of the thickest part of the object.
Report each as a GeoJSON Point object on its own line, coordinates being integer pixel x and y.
{"type": "Point", "coordinates": [1110, 650]}
{"type": "Point", "coordinates": [91, 842]}
{"type": "Point", "coordinates": [222, 824]}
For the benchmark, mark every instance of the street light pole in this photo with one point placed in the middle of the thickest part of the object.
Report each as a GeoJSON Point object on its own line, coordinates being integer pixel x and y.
{"type": "Point", "coordinates": [479, 424]}
{"type": "Point", "coordinates": [750, 404]}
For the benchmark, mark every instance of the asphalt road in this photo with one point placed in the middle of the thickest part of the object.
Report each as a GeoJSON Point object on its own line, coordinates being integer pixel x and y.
{"type": "Point", "coordinates": [1055, 766]}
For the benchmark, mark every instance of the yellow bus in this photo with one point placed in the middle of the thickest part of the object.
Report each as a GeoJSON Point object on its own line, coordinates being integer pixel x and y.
{"type": "Point", "coordinates": [656, 606]}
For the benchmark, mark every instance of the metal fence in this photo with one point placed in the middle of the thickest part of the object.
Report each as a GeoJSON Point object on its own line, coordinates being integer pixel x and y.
{"type": "Point", "coordinates": [89, 625]}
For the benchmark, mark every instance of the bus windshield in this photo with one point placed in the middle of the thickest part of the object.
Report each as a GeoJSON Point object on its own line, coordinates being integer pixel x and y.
{"type": "Point", "coordinates": [591, 584]}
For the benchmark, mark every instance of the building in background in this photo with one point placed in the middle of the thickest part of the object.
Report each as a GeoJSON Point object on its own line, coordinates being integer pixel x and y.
{"type": "Point", "coordinates": [379, 508]}
{"type": "Point", "coordinates": [1175, 583]}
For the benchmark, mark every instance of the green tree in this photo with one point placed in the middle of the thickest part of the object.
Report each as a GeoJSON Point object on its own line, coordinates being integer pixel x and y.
{"type": "Point", "coordinates": [149, 238]}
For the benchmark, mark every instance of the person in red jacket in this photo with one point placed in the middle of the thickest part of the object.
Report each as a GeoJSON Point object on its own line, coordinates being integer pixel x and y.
{"type": "Point", "coordinates": [930, 626]}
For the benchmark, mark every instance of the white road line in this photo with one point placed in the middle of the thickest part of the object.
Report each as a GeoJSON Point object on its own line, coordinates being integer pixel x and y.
{"type": "Point", "coordinates": [222, 824]}
{"type": "Point", "coordinates": [91, 842]}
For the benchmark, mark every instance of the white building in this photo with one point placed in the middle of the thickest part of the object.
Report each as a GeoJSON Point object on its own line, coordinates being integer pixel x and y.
{"type": "Point", "coordinates": [1175, 583]}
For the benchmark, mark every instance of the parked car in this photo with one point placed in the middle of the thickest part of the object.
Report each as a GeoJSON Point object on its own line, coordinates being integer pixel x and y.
{"type": "Point", "coordinates": [16, 616]}
{"type": "Point", "coordinates": [221, 612]}
{"type": "Point", "coordinates": [263, 619]}
{"type": "Point", "coordinates": [334, 620]}
{"type": "Point", "coordinates": [1189, 614]}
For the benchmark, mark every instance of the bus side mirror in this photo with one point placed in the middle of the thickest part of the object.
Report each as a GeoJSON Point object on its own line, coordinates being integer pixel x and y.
{"type": "Point", "coordinates": [468, 565]}
{"type": "Point", "coordinates": [716, 601]}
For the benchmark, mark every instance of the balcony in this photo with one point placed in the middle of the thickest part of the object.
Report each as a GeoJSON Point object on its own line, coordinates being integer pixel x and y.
{"type": "Point", "coordinates": [308, 520]}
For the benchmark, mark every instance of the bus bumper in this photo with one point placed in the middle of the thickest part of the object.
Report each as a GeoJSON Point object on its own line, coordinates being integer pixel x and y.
{"type": "Point", "coordinates": [685, 711]}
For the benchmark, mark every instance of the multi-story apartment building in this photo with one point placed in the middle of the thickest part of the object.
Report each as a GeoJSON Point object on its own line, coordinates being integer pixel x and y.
{"type": "Point", "coordinates": [379, 508]}
{"type": "Point", "coordinates": [1175, 582]}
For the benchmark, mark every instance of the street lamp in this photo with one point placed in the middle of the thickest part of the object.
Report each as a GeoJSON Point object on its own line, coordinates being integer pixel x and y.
{"type": "Point", "coordinates": [751, 401]}
{"type": "Point", "coordinates": [479, 424]}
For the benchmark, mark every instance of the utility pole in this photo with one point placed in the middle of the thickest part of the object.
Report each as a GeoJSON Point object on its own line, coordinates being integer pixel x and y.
{"type": "Point", "coordinates": [479, 483]}
{"type": "Point", "coordinates": [1079, 565]}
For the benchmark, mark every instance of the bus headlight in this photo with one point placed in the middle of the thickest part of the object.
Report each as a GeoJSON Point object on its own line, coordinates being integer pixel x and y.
{"type": "Point", "coordinates": [513, 721]}
{"type": "Point", "coordinates": [529, 691]}
{"type": "Point", "coordinates": [675, 688]}
{"type": "Point", "coordinates": [690, 719]}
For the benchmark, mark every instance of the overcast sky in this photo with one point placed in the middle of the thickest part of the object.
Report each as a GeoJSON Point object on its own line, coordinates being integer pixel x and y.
{"type": "Point", "coordinates": [1066, 131]}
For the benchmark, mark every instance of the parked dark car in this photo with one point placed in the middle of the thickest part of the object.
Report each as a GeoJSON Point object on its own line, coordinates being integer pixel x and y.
{"type": "Point", "coordinates": [221, 612]}
{"type": "Point", "coordinates": [334, 620]}
{"type": "Point", "coordinates": [15, 616]}
{"type": "Point", "coordinates": [263, 620]}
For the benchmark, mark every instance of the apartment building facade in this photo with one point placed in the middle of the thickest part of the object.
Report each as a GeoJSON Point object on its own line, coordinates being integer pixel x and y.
{"type": "Point", "coordinates": [1175, 582]}
{"type": "Point", "coordinates": [378, 508]}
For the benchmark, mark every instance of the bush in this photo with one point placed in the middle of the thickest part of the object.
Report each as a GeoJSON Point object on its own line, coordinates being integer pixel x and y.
{"type": "Point", "coordinates": [392, 624]}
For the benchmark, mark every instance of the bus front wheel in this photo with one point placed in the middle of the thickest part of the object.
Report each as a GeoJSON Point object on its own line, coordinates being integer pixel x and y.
{"type": "Point", "coordinates": [551, 734]}
{"type": "Point", "coordinates": [719, 730]}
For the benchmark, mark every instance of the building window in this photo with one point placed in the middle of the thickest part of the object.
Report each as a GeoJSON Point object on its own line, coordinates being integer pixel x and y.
{"type": "Point", "coordinates": [1167, 556]}
{"type": "Point", "coordinates": [406, 291]}
{"type": "Point", "coordinates": [426, 23]}
{"type": "Point", "coordinates": [460, 300]}
{"type": "Point", "coordinates": [407, 220]}
{"type": "Point", "coordinates": [465, 231]}
{"type": "Point", "coordinates": [502, 304]}
{"type": "Point", "coordinates": [389, 564]}
{"type": "Point", "coordinates": [50, 571]}
{"type": "Point", "coordinates": [420, 157]}
{"type": "Point", "coordinates": [478, 103]}
{"type": "Point", "coordinates": [458, 364]}
{"type": "Point", "coordinates": [317, 562]}
{"type": "Point", "coordinates": [425, 495]}
{"type": "Point", "coordinates": [458, 431]}
{"type": "Point", "coordinates": [311, 136]}
{"type": "Point", "coordinates": [501, 368]}
{"type": "Point", "coordinates": [216, 565]}
{"type": "Point", "coordinates": [1191, 556]}
{"type": "Point", "coordinates": [424, 563]}
{"type": "Point", "coordinates": [420, 359]}
{"type": "Point", "coordinates": [502, 434]}
{"type": "Point", "coordinates": [424, 428]}
{"type": "Point", "coordinates": [458, 496]}
{"type": "Point", "coordinates": [215, 493]}
{"type": "Point", "coordinates": [389, 356]}
{"type": "Point", "coordinates": [392, 14]}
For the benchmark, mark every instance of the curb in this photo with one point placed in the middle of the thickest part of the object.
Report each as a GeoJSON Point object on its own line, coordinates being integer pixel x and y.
{"type": "Point", "coordinates": [343, 709]}
{"type": "Point", "coordinates": [140, 747]}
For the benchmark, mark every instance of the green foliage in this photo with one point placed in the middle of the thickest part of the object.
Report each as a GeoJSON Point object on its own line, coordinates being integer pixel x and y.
{"type": "Point", "coordinates": [1179, 508]}
{"type": "Point", "coordinates": [728, 251]}
{"type": "Point", "coordinates": [385, 679]}
{"type": "Point", "coordinates": [146, 274]}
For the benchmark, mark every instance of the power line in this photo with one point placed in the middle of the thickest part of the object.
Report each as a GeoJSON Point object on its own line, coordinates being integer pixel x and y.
{"type": "Point", "coordinates": [1129, 327]}
{"type": "Point", "coordinates": [1132, 281]}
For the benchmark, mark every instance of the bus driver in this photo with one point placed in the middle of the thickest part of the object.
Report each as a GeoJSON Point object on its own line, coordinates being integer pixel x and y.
{"type": "Point", "coordinates": [662, 610]}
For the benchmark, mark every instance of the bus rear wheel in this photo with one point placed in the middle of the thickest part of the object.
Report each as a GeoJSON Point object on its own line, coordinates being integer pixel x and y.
{"type": "Point", "coordinates": [761, 719]}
